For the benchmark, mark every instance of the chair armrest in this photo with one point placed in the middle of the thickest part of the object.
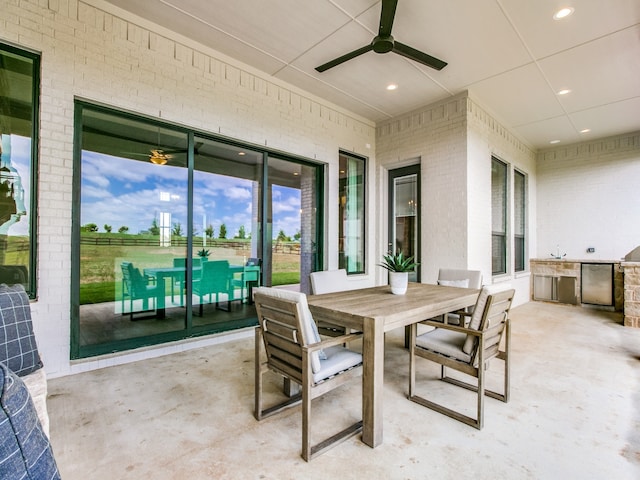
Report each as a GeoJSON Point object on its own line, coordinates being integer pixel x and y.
{"type": "Point", "coordinates": [453, 328]}
{"type": "Point", "coordinates": [333, 341]}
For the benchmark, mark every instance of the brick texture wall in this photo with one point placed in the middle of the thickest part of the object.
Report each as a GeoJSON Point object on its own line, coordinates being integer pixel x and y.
{"type": "Point", "coordinates": [94, 54]}
{"type": "Point", "coordinates": [453, 141]}
{"type": "Point", "coordinates": [588, 197]}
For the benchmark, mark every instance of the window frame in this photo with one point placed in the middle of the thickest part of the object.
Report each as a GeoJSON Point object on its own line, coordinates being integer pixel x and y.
{"type": "Point", "coordinates": [499, 238]}
{"type": "Point", "coordinates": [78, 351]}
{"type": "Point", "coordinates": [519, 239]}
{"type": "Point", "coordinates": [361, 205]}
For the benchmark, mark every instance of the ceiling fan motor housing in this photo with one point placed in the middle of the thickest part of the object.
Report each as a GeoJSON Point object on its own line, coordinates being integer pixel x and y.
{"type": "Point", "coordinates": [382, 44]}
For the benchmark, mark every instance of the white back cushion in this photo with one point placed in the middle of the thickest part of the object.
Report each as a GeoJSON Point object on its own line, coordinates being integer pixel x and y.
{"type": "Point", "coordinates": [328, 281]}
{"type": "Point", "coordinates": [309, 327]}
{"type": "Point", "coordinates": [474, 277]}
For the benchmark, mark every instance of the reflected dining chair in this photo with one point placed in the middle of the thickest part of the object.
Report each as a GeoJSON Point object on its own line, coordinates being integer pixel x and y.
{"type": "Point", "coordinates": [287, 343]}
{"type": "Point", "coordinates": [248, 279]}
{"type": "Point", "coordinates": [215, 278]}
{"type": "Point", "coordinates": [329, 281]}
{"type": "Point", "coordinates": [178, 279]}
{"type": "Point", "coordinates": [136, 286]}
{"type": "Point", "coordinates": [467, 350]}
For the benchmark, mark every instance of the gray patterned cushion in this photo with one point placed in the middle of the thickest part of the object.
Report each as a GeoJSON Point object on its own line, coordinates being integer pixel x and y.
{"type": "Point", "coordinates": [18, 349]}
{"type": "Point", "coordinates": [25, 451]}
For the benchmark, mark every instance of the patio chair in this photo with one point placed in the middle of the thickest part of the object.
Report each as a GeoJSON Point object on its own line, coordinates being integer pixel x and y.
{"type": "Point", "coordinates": [294, 350]}
{"type": "Point", "coordinates": [450, 277]}
{"type": "Point", "coordinates": [329, 281]}
{"type": "Point", "coordinates": [467, 350]}
{"type": "Point", "coordinates": [215, 278]}
{"type": "Point", "coordinates": [249, 278]}
{"type": "Point", "coordinates": [136, 286]}
{"type": "Point", "coordinates": [178, 279]}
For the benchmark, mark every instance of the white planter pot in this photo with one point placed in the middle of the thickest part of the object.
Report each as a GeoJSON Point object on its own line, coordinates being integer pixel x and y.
{"type": "Point", "coordinates": [398, 282]}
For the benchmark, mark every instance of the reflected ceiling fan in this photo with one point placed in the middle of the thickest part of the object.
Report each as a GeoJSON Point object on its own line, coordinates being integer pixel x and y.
{"type": "Point", "coordinates": [385, 43]}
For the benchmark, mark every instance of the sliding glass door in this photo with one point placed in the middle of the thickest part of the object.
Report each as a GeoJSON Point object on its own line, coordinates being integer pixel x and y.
{"type": "Point", "coordinates": [173, 229]}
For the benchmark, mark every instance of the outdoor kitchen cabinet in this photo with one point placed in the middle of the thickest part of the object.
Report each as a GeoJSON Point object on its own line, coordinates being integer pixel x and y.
{"type": "Point", "coordinates": [555, 289]}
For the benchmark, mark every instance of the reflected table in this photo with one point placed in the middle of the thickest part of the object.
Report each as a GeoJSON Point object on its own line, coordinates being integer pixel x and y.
{"type": "Point", "coordinates": [174, 274]}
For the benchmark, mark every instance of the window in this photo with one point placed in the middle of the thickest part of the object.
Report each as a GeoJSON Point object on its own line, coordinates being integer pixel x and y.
{"type": "Point", "coordinates": [177, 227]}
{"type": "Point", "coordinates": [19, 96]}
{"type": "Point", "coordinates": [351, 213]}
{"type": "Point", "coordinates": [498, 216]}
{"type": "Point", "coordinates": [519, 220]}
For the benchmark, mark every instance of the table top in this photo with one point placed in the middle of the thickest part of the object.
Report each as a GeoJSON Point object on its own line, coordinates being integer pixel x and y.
{"type": "Point", "coordinates": [353, 307]}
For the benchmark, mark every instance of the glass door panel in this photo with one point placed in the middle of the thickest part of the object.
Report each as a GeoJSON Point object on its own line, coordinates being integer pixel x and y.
{"type": "Point", "coordinates": [403, 225]}
{"type": "Point", "coordinates": [291, 223]}
{"type": "Point", "coordinates": [226, 233]}
{"type": "Point", "coordinates": [133, 210]}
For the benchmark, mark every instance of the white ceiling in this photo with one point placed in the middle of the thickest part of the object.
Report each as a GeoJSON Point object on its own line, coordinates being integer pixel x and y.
{"type": "Point", "coordinates": [511, 55]}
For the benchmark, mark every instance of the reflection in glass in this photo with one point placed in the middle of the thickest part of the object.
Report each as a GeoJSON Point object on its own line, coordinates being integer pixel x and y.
{"type": "Point", "coordinates": [18, 107]}
{"type": "Point", "coordinates": [226, 215]}
{"type": "Point", "coordinates": [133, 218]}
{"type": "Point", "coordinates": [291, 223]}
{"type": "Point", "coordinates": [351, 212]}
{"type": "Point", "coordinates": [405, 207]}
{"type": "Point", "coordinates": [171, 231]}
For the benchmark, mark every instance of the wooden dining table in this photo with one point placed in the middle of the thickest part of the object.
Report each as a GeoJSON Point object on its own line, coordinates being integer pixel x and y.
{"type": "Point", "coordinates": [375, 311]}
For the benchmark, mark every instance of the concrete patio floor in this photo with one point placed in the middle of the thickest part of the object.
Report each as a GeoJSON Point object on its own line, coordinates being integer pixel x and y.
{"type": "Point", "coordinates": [574, 414]}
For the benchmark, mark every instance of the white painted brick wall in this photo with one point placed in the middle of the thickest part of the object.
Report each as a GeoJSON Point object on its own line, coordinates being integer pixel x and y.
{"type": "Point", "coordinates": [589, 196]}
{"type": "Point", "coordinates": [454, 141]}
{"type": "Point", "coordinates": [90, 53]}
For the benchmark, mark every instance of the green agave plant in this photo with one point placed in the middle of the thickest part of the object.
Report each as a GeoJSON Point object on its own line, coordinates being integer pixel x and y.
{"type": "Point", "coordinates": [203, 253]}
{"type": "Point", "coordinates": [398, 263]}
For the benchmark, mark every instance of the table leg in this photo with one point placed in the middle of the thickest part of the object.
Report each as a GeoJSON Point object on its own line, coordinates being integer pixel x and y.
{"type": "Point", "coordinates": [372, 381]}
{"type": "Point", "coordinates": [160, 301]}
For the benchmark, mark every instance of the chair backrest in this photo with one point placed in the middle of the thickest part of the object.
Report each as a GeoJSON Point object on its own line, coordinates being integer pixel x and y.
{"type": "Point", "coordinates": [251, 274]}
{"type": "Point", "coordinates": [329, 281]}
{"type": "Point", "coordinates": [182, 262]}
{"type": "Point", "coordinates": [489, 315]}
{"type": "Point", "coordinates": [215, 276]}
{"type": "Point", "coordinates": [460, 278]}
{"type": "Point", "coordinates": [253, 262]}
{"type": "Point", "coordinates": [287, 326]}
{"type": "Point", "coordinates": [133, 279]}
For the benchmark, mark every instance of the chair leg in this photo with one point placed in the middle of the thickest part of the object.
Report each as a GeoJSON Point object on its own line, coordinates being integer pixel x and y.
{"type": "Point", "coordinates": [412, 358]}
{"type": "Point", "coordinates": [306, 418]}
{"type": "Point", "coordinates": [257, 412]}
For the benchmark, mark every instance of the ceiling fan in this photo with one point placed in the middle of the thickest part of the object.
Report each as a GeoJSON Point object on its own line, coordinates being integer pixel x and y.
{"type": "Point", "coordinates": [384, 43]}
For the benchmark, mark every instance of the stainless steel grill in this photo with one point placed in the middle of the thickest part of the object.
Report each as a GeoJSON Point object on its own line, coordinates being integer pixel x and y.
{"type": "Point", "coordinates": [633, 255]}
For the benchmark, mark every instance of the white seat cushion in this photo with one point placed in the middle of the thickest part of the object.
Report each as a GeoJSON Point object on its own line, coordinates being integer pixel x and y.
{"type": "Point", "coordinates": [338, 359]}
{"type": "Point", "coordinates": [446, 342]}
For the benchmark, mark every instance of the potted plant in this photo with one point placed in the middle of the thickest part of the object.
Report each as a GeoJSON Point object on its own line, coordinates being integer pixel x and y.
{"type": "Point", "coordinates": [203, 254]}
{"type": "Point", "coordinates": [399, 267]}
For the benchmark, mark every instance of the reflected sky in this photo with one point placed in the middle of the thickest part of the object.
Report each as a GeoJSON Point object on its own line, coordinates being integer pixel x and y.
{"type": "Point", "coordinates": [122, 192]}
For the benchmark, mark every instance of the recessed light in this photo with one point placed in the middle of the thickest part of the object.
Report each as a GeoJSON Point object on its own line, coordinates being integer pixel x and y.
{"type": "Point", "coordinates": [241, 153]}
{"type": "Point", "coordinates": [392, 86]}
{"type": "Point", "coordinates": [554, 141]}
{"type": "Point", "coordinates": [585, 130]}
{"type": "Point", "coordinates": [563, 13]}
{"type": "Point", "coordinates": [564, 91]}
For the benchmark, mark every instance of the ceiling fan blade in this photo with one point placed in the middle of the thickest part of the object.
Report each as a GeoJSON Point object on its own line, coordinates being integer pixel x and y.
{"type": "Point", "coordinates": [386, 17]}
{"type": "Point", "coordinates": [344, 58]}
{"type": "Point", "coordinates": [418, 56]}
